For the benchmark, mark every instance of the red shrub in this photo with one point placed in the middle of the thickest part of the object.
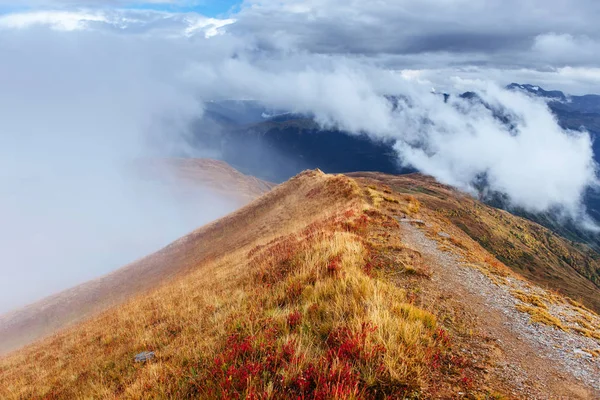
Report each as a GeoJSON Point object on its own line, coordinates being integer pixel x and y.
{"type": "Point", "coordinates": [313, 193]}
{"type": "Point", "coordinates": [435, 359]}
{"type": "Point", "coordinates": [334, 266]}
{"type": "Point", "coordinates": [248, 363]}
{"type": "Point", "coordinates": [351, 346]}
{"type": "Point", "coordinates": [294, 319]}
{"type": "Point", "coordinates": [368, 269]}
{"type": "Point", "coordinates": [349, 213]}
{"type": "Point", "coordinates": [358, 226]}
{"type": "Point", "coordinates": [249, 360]}
{"type": "Point", "coordinates": [466, 380]}
{"type": "Point", "coordinates": [324, 381]}
{"type": "Point", "coordinates": [276, 261]}
{"type": "Point", "coordinates": [442, 337]}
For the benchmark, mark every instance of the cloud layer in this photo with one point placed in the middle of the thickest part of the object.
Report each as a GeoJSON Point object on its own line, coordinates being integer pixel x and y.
{"type": "Point", "coordinates": [464, 32]}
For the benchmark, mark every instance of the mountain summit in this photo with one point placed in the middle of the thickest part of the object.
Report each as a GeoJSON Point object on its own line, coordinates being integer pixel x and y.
{"type": "Point", "coordinates": [538, 91]}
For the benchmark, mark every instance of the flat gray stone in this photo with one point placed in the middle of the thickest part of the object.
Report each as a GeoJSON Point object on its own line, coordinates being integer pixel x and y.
{"type": "Point", "coordinates": [144, 356]}
{"type": "Point", "coordinates": [444, 235]}
{"type": "Point", "coordinates": [413, 221]}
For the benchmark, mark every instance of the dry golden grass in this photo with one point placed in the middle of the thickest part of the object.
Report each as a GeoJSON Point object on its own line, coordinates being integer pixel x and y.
{"type": "Point", "coordinates": [591, 333]}
{"type": "Point", "coordinates": [287, 299]}
{"type": "Point", "coordinates": [375, 196]}
{"type": "Point", "coordinates": [408, 205]}
{"type": "Point", "coordinates": [218, 176]}
{"type": "Point", "coordinates": [578, 305]}
{"type": "Point", "coordinates": [545, 306]}
{"type": "Point", "coordinates": [541, 315]}
{"type": "Point", "coordinates": [530, 298]}
{"type": "Point", "coordinates": [593, 353]}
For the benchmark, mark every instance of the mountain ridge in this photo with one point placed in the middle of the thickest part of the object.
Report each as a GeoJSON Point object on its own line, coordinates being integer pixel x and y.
{"type": "Point", "coordinates": [329, 286]}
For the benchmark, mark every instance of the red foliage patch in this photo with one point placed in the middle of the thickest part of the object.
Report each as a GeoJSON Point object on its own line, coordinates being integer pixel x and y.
{"type": "Point", "coordinates": [466, 380]}
{"type": "Point", "coordinates": [324, 381]}
{"type": "Point", "coordinates": [442, 337]}
{"type": "Point", "coordinates": [313, 193]}
{"type": "Point", "coordinates": [292, 293]}
{"type": "Point", "coordinates": [334, 266]}
{"type": "Point", "coordinates": [345, 344]}
{"type": "Point", "coordinates": [248, 364]}
{"type": "Point", "coordinates": [294, 319]}
{"type": "Point", "coordinates": [358, 226]}
{"type": "Point", "coordinates": [249, 360]}
{"type": "Point", "coordinates": [274, 262]}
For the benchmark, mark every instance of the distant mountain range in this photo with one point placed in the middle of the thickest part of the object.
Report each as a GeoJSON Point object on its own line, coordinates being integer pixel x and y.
{"type": "Point", "coordinates": [587, 104]}
{"type": "Point", "coordinates": [573, 112]}
{"type": "Point", "coordinates": [275, 145]}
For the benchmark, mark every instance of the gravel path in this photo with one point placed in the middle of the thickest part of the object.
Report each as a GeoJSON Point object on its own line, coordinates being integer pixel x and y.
{"type": "Point", "coordinates": [538, 361]}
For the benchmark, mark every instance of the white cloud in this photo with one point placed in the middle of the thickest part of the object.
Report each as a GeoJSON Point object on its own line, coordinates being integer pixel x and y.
{"type": "Point", "coordinates": [571, 80]}
{"type": "Point", "coordinates": [70, 4]}
{"type": "Point", "coordinates": [126, 21]}
{"type": "Point", "coordinates": [60, 20]}
{"type": "Point", "coordinates": [209, 26]}
{"type": "Point", "coordinates": [539, 167]}
{"type": "Point", "coordinates": [566, 49]}
{"type": "Point", "coordinates": [406, 26]}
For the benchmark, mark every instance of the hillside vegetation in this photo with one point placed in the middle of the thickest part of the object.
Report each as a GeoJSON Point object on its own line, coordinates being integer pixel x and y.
{"type": "Point", "coordinates": [205, 174]}
{"type": "Point", "coordinates": [529, 249]}
{"type": "Point", "coordinates": [308, 292]}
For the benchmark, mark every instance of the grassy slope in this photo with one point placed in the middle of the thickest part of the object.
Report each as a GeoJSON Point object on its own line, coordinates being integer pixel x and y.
{"type": "Point", "coordinates": [203, 173]}
{"type": "Point", "coordinates": [292, 295]}
{"type": "Point", "coordinates": [528, 248]}
{"type": "Point", "coordinates": [307, 292]}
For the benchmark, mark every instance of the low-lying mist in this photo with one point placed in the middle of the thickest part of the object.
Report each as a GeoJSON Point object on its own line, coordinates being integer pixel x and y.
{"type": "Point", "coordinates": [77, 114]}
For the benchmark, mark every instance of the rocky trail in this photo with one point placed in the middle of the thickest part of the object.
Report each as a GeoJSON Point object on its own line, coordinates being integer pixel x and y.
{"type": "Point", "coordinates": [533, 361]}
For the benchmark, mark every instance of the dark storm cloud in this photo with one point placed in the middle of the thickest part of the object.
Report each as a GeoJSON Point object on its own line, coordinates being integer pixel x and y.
{"type": "Point", "coordinates": [517, 33]}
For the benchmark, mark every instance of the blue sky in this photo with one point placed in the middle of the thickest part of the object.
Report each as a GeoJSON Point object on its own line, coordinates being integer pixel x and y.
{"type": "Point", "coordinates": [210, 8]}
